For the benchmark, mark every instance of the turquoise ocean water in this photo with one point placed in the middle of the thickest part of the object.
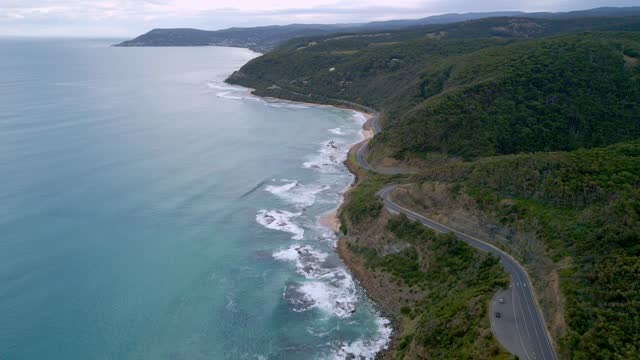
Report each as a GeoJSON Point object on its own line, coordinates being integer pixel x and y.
{"type": "Point", "coordinates": [150, 211]}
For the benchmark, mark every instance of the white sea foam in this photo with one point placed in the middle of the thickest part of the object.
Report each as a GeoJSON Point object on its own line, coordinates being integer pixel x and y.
{"type": "Point", "coordinates": [328, 288]}
{"type": "Point", "coordinates": [223, 86]}
{"type": "Point", "coordinates": [233, 92]}
{"type": "Point", "coordinates": [227, 91]}
{"type": "Point", "coordinates": [329, 297]}
{"type": "Point", "coordinates": [308, 260]}
{"type": "Point", "coordinates": [278, 190]}
{"type": "Point", "coordinates": [364, 348]}
{"type": "Point", "coordinates": [359, 117]}
{"type": "Point", "coordinates": [280, 220]}
{"type": "Point", "coordinates": [229, 95]}
{"type": "Point", "coordinates": [285, 104]}
{"type": "Point", "coordinates": [329, 158]}
{"type": "Point", "coordinates": [296, 194]}
{"type": "Point", "coordinates": [290, 254]}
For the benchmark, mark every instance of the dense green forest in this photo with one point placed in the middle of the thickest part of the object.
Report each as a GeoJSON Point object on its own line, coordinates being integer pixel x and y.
{"type": "Point", "coordinates": [539, 120]}
{"type": "Point", "coordinates": [266, 38]}
{"type": "Point", "coordinates": [370, 65]}
{"type": "Point", "coordinates": [472, 97]}
{"type": "Point", "coordinates": [585, 206]}
{"type": "Point", "coordinates": [460, 280]}
{"type": "Point", "coordinates": [555, 94]}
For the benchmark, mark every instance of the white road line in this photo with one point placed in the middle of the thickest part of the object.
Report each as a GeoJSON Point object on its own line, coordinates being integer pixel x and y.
{"type": "Point", "coordinates": [525, 324]}
{"type": "Point", "coordinates": [534, 327]}
{"type": "Point", "coordinates": [515, 317]}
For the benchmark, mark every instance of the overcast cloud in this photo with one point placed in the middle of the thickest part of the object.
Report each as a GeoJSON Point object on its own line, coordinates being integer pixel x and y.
{"type": "Point", "coordinates": [124, 18]}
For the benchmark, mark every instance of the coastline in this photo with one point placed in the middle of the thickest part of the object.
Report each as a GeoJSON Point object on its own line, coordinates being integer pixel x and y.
{"type": "Point", "coordinates": [366, 282]}
{"type": "Point", "coordinates": [330, 220]}
{"type": "Point", "coordinates": [376, 292]}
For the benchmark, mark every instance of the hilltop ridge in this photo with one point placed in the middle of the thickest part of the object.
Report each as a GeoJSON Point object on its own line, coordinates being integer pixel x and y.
{"type": "Point", "coordinates": [266, 38]}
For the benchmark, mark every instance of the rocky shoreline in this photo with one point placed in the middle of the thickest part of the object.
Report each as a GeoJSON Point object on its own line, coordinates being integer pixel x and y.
{"type": "Point", "coordinates": [361, 273]}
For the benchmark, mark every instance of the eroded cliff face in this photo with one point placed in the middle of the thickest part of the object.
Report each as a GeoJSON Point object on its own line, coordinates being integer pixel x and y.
{"type": "Point", "coordinates": [385, 290]}
{"type": "Point", "coordinates": [460, 211]}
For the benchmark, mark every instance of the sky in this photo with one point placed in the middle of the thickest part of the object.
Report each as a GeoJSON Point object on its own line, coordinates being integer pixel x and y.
{"type": "Point", "coordinates": [127, 18]}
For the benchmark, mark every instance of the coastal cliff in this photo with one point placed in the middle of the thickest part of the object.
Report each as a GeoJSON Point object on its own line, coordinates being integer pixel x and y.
{"type": "Point", "coordinates": [434, 287]}
{"type": "Point", "coordinates": [527, 138]}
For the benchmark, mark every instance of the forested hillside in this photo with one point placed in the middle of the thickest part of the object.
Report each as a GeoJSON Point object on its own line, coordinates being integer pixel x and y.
{"type": "Point", "coordinates": [266, 38]}
{"type": "Point", "coordinates": [555, 94]}
{"type": "Point", "coordinates": [538, 121]}
{"type": "Point", "coordinates": [472, 97]}
{"type": "Point", "coordinates": [585, 206]}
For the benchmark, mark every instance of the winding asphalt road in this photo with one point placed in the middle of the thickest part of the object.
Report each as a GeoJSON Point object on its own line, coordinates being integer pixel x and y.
{"type": "Point", "coordinates": [362, 151]}
{"type": "Point", "coordinates": [361, 154]}
{"type": "Point", "coordinates": [521, 327]}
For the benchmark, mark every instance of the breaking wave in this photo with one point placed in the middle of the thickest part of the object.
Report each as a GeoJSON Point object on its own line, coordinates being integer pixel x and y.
{"type": "Point", "coordinates": [226, 91]}
{"type": "Point", "coordinates": [333, 153]}
{"type": "Point", "coordinates": [294, 193]}
{"type": "Point", "coordinates": [337, 131]}
{"type": "Point", "coordinates": [282, 221]}
{"type": "Point", "coordinates": [329, 158]}
{"type": "Point", "coordinates": [330, 288]}
{"type": "Point", "coordinates": [367, 348]}
{"type": "Point", "coordinates": [324, 284]}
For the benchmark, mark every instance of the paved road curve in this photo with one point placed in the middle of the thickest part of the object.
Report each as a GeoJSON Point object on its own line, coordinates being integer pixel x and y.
{"type": "Point", "coordinates": [362, 151]}
{"type": "Point", "coordinates": [506, 328]}
{"type": "Point", "coordinates": [530, 326]}
{"type": "Point", "coordinates": [523, 330]}
{"type": "Point", "coordinates": [361, 154]}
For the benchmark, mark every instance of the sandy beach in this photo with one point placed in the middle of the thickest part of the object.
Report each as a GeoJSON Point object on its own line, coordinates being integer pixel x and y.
{"type": "Point", "coordinates": [331, 220]}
